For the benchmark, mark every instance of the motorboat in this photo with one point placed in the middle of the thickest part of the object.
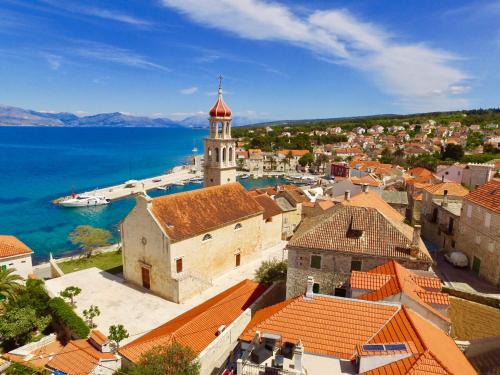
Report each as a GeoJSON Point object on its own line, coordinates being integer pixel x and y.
{"type": "Point", "coordinates": [85, 200]}
{"type": "Point", "coordinates": [180, 183]}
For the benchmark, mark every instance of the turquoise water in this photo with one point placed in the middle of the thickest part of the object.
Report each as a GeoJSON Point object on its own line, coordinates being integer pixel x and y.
{"type": "Point", "coordinates": [38, 165]}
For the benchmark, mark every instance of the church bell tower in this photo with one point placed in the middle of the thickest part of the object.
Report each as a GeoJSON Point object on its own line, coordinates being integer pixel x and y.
{"type": "Point", "coordinates": [220, 147]}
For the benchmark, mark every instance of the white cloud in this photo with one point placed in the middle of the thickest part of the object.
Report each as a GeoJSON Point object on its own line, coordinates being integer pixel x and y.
{"type": "Point", "coordinates": [418, 75]}
{"type": "Point", "coordinates": [105, 52]}
{"type": "Point", "coordinates": [189, 90]}
{"type": "Point", "coordinates": [54, 61]}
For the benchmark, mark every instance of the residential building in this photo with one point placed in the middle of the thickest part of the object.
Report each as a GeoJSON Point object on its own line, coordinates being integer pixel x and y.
{"type": "Point", "coordinates": [211, 329]}
{"type": "Point", "coordinates": [441, 205]}
{"type": "Point", "coordinates": [168, 241]}
{"type": "Point", "coordinates": [450, 173]}
{"type": "Point", "coordinates": [319, 334]}
{"type": "Point", "coordinates": [347, 238]}
{"type": "Point", "coordinates": [220, 147]}
{"type": "Point", "coordinates": [475, 175]}
{"type": "Point", "coordinates": [397, 200]}
{"type": "Point", "coordinates": [479, 229]}
{"type": "Point", "coordinates": [393, 282]}
{"type": "Point", "coordinates": [14, 254]}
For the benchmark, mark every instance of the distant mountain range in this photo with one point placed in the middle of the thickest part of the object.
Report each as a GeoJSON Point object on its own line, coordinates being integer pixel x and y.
{"type": "Point", "coordinates": [14, 116]}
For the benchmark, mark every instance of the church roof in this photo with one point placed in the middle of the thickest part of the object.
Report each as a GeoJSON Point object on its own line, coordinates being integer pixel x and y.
{"type": "Point", "coordinates": [192, 213]}
{"type": "Point", "coordinates": [220, 108]}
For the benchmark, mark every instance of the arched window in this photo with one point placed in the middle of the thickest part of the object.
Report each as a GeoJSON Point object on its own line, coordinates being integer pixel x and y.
{"type": "Point", "coordinates": [230, 154]}
{"type": "Point", "coordinates": [217, 154]}
{"type": "Point", "coordinates": [223, 154]}
{"type": "Point", "coordinates": [237, 226]}
{"type": "Point", "coordinates": [207, 237]}
{"type": "Point", "coordinates": [209, 153]}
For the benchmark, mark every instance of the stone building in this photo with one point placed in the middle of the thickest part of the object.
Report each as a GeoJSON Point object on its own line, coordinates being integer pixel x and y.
{"type": "Point", "coordinates": [14, 254]}
{"type": "Point", "coordinates": [475, 175]}
{"type": "Point", "coordinates": [479, 230]}
{"type": "Point", "coordinates": [176, 244]}
{"type": "Point", "coordinates": [350, 238]}
{"type": "Point", "coordinates": [441, 205]}
{"type": "Point", "coordinates": [220, 147]}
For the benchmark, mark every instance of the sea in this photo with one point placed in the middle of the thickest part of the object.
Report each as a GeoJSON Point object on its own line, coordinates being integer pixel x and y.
{"type": "Point", "coordinates": [40, 164]}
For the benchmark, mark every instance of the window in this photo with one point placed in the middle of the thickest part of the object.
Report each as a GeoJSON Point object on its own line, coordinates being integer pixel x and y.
{"type": "Point", "coordinates": [487, 219]}
{"type": "Point", "coordinates": [237, 226]}
{"type": "Point", "coordinates": [316, 261]}
{"type": "Point", "coordinates": [356, 265]}
{"type": "Point", "coordinates": [217, 154]}
{"type": "Point", "coordinates": [315, 288]}
{"type": "Point", "coordinates": [230, 154]}
{"type": "Point", "coordinates": [453, 243]}
{"type": "Point", "coordinates": [207, 237]}
{"type": "Point", "coordinates": [269, 220]}
{"type": "Point", "coordinates": [178, 265]}
{"type": "Point", "coordinates": [340, 292]}
{"type": "Point", "coordinates": [469, 211]}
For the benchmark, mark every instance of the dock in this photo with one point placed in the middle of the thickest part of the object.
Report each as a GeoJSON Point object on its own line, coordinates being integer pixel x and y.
{"type": "Point", "coordinates": [132, 187]}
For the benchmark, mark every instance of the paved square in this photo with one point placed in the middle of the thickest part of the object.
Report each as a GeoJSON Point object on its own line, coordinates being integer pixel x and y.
{"type": "Point", "coordinates": [136, 308]}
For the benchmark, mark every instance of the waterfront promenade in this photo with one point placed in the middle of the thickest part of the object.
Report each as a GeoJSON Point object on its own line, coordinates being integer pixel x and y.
{"type": "Point", "coordinates": [178, 175]}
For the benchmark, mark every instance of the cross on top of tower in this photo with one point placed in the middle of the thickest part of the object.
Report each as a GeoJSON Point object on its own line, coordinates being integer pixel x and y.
{"type": "Point", "coordinates": [220, 83]}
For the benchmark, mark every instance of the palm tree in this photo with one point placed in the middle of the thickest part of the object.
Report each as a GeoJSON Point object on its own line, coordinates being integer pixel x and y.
{"type": "Point", "coordinates": [9, 284]}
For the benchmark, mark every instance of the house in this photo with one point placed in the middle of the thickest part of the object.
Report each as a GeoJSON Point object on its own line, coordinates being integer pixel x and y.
{"type": "Point", "coordinates": [479, 228]}
{"type": "Point", "coordinates": [91, 356]}
{"type": "Point", "coordinates": [475, 175]}
{"type": "Point", "coordinates": [441, 206]}
{"type": "Point", "coordinates": [14, 254]}
{"type": "Point", "coordinates": [291, 200]}
{"type": "Point", "coordinates": [397, 200]}
{"type": "Point", "coordinates": [211, 329]}
{"type": "Point", "coordinates": [318, 334]}
{"type": "Point", "coordinates": [347, 238]}
{"type": "Point", "coordinates": [168, 241]}
{"type": "Point", "coordinates": [393, 282]}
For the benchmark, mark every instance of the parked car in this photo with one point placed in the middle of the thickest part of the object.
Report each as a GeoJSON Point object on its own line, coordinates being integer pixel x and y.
{"type": "Point", "coordinates": [457, 259]}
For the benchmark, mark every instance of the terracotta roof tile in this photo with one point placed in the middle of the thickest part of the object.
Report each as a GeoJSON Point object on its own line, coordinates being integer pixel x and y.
{"type": "Point", "coordinates": [271, 208]}
{"type": "Point", "coordinates": [337, 231]}
{"type": "Point", "coordinates": [191, 213]}
{"type": "Point", "coordinates": [11, 246]}
{"type": "Point", "coordinates": [487, 195]}
{"type": "Point", "coordinates": [453, 189]}
{"type": "Point", "coordinates": [372, 199]}
{"type": "Point", "coordinates": [294, 152]}
{"type": "Point", "coordinates": [98, 337]}
{"type": "Point", "coordinates": [197, 328]}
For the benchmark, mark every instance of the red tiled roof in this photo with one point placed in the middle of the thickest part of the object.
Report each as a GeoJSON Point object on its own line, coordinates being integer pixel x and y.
{"type": "Point", "coordinates": [294, 152]}
{"type": "Point", "coordinates": [98, 337]}
{"type": "Point", "coordinates": [358, 230]}
{"type": "Point", "coordinates": [372, 199]}
{"type": "Point", "coordinates": [453, 189]}
{"type": "Point", "coordinates": [11, 246]}
{"type": "Point", "coordinates": [487, 196]}
{"type": "Point", "coordinates": [78, 357]}
{"type": "Point", "coordinates": [270, 206]}
{"type": "Point", "coordinates": [191, 213]}
{"type": "Point", "coordinates": [197, 328]}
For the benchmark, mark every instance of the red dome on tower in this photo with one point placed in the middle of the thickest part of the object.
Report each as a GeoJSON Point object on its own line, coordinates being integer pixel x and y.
{"type": "Point", "coordinates": [220, 109]}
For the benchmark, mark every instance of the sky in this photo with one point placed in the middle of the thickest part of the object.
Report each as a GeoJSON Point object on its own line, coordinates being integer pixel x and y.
{"type": "Point", "coordinates": [279, 59]}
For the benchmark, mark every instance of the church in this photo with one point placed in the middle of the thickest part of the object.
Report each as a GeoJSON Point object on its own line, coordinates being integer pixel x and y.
{"type": "Point", "coordinates": [175, 245]}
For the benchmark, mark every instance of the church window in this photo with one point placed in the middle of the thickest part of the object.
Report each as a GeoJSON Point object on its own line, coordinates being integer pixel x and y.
{"type": "Point", "coordinates": [207, 237]}
{"type": "Point", "coordinates": [230, 154]}
{"type": "Point", "coordinates": [217, 154]}
{"type": "Point", "coordinates": [223, 154]}
{"type": "Point", "coordinates": [209, 153]}
{"type": "Point", "coordinates": [237, 226]}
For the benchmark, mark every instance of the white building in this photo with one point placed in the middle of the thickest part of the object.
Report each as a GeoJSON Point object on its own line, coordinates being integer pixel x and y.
{"type": "Point", "coordinates": [16, 255]}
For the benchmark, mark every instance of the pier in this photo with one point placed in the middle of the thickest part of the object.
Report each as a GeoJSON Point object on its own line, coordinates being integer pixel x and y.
{"type": "Point", "coordinates": [132, 187]}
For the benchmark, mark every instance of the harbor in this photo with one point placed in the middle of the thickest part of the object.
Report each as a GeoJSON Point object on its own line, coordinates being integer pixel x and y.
{"type": "Point", "coordinates": [177, 176]}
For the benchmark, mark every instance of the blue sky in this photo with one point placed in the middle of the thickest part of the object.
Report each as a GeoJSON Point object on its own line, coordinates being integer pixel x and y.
{"type": "Point", "coordinates": [280, 59]}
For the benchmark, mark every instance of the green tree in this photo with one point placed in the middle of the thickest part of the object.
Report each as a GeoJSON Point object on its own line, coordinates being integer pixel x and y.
{"type": "Point", "coordinates": [306, 159]}
{"type": "Point", "coordinates": [175, 359]}
{"type": "Point", "coordinates": [9, 284]}
{"type": "Point", "coordinates": [18, 325]}
{"type": "Point", "coordinates": [386, 157]}
{"type": "Point", "coordinates": [90, 314]}
{"type": "Point", "coordinates": [117, 333]}
{"type": "Point", "coordinates": [33, 295]}
{"type": "Point", "coordinates": [453, 152]}
{"type": "Point", "coordinates": [70, 293]}
{"type": "Point", "coordinates": [474, 140]}
{"type": "Point", "coordinates": [17, 369]}
{"type": "Point", "coordinates": [90, 238]}
{"type": "Point", "coordinates": [322, 160]}
{"type": "Point", "coordinates": [271, 270]}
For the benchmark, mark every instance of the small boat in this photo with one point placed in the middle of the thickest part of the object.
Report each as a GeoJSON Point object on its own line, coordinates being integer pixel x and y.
{"type": "Point", "coordinates": [244, 176]}
{"type": "Point", "coordinates": [85, 200]}
{"type": "Point", "coordinates": [196, 181]}
{"type": "Point", "coordinates": [164, 188]}
{"type": "Point", "coordinates": [180, 183]}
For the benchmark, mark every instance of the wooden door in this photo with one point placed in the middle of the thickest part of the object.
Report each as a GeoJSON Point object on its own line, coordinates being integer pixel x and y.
{"type": "Point", "coordinates": [238, 260]}
{"type": "Point", "coordinates": [476, 265]}
{"type": "Point", "coordinates": [146, 282]}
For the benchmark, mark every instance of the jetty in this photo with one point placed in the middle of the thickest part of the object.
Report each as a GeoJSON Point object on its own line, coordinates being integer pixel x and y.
{"type": "Point", "coordinates": [177, 175]}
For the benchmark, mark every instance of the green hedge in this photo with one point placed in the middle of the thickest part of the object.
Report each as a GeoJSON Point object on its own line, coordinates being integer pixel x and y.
{"type": "Point", "coordinates": [64, 315]}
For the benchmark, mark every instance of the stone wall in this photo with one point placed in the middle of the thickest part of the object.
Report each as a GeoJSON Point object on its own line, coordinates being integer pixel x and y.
{"type": "Point", "coordinates": [271, 231]}
{"type": "Point", "coordinates": [476, 239]}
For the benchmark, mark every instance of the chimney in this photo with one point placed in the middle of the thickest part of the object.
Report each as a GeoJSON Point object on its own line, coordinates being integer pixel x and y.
{"type": "Point", "coordinates": [298, 353]}
{"type": "Point", "coordinates": [309, 288]}
{"type": "Point", "coordinates": [415, 248]}
{"type": "Point", "coordinates": [347, 195]}
{"type": "Point", "coordinates": [444, 203]}
{"type": "Point", "coordinates": [364, 188]}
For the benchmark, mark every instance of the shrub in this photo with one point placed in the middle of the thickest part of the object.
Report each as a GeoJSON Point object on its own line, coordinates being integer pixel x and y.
{"type": "Point", "coordinates": [271, 270]}
{"type": "Point", "coordinates": [64, 315]}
